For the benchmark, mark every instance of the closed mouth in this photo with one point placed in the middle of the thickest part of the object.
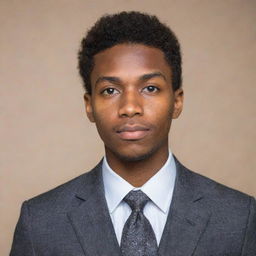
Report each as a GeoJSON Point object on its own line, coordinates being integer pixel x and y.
{"type": "Point", "coordinates": [132, 132]}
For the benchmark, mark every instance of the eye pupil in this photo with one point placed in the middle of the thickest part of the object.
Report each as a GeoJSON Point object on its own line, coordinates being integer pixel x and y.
{"type": "Point", "coordinates": [151, 88]}
{"type": "Point", "coordinates": [110, 90]}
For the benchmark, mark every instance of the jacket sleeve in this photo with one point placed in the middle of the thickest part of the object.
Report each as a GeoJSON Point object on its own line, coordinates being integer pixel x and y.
{"type": "Point", "coordinates": [22, 243]}
{"type": "Point", "coordinates": [249, 247]}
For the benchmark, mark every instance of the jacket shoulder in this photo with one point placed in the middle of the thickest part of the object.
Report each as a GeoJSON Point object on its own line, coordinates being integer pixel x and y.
{"type": "Point", "coordinates": [62, 196]}
{"type": "Point", "coordinates": [217, 195]}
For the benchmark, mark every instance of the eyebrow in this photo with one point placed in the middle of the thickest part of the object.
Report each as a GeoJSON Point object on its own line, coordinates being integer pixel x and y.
{"type": "Point", "coordinates": [117, 80]}
{"type": "Point", "coordinates": [111, 79]}
{"type": "Point", "coordinates": [146, 77]}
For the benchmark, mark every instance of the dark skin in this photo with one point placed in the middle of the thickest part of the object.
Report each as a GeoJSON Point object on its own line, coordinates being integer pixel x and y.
{"type": "Point", "coordinates": [133, 104]}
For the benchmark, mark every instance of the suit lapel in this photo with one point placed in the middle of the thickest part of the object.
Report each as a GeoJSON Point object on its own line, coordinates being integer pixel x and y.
{"type": "Point", "coordinates": [91, 220]}
{"type": "Point", "coordinates": [187, 220]}
{"type": "Point", "coordinates": [188, 216]}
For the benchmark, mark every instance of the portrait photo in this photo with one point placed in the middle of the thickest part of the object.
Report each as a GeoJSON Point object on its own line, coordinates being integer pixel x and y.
{"type": "Point", "coordinates": [128, 128]}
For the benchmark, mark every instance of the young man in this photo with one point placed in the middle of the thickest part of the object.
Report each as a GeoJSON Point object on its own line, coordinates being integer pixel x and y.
{"type": "Point", "coordinates": [139, 200]}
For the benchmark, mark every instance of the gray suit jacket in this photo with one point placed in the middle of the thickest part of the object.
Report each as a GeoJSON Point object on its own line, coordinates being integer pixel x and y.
{"type": "Point", "coordinates": [205, 219]}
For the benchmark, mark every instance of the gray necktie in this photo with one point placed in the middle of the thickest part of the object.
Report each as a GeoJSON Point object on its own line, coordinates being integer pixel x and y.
{"type": "Point", "coordinates": [138, 238]}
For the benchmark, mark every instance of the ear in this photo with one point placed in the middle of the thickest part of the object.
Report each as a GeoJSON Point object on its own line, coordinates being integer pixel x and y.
{"type": "Point", "coordinates": [178, 103]}
{"type": "Point", "coordinates": [88, 107]}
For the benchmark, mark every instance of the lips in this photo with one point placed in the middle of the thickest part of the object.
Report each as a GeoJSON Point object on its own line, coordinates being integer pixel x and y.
{"type": "Point", "coordinates": [132, 132]}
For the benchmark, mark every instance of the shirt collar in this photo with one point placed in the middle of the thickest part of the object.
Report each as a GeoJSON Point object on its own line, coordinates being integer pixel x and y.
{"type": "Point", "coordinates": [158, 188]}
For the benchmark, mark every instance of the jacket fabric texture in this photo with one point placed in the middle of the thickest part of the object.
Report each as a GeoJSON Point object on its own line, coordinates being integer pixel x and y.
{"type": "Point", "coordinates": [205, 219]}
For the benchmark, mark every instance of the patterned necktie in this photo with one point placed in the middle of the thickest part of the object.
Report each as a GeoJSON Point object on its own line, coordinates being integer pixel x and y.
{"type": "Point", "coordinates": [138, 238]}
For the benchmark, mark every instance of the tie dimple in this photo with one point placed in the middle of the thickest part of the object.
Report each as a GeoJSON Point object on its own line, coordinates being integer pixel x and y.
{"type": "Point", "coordinates": [136, 199]}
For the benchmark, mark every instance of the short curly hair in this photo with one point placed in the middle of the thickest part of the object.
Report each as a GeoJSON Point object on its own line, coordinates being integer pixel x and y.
{"type": "Point", "coordinates": [129, 27]}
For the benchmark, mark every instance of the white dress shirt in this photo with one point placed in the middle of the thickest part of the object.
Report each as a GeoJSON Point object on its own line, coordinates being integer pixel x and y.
{"type": "Point", "coordinates": [158, 188]}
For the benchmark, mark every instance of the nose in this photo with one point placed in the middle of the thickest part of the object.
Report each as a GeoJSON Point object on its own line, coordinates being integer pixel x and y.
{"type": "Point", "coordinates": [130, 105]}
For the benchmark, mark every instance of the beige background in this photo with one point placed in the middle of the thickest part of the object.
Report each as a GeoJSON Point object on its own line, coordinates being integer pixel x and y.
{"type": "Point", "coordinates": [45, 137]}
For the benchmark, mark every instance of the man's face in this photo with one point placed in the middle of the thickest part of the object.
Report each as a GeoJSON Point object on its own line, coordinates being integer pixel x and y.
{"type": "Point", "coordinates": [132, 100]}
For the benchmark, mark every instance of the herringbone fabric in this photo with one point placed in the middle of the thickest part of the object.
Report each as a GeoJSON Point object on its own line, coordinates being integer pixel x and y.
{"type": "Point", "coordinates": [138, 238]}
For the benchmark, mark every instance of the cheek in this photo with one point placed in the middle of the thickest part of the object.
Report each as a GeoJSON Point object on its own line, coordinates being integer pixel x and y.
{"type": "Point", "coordinates": [103, 111]}
{"type": "Point", "coordinates": [104, 118]}
{"type": "Point", "coordinates": [160, 111]}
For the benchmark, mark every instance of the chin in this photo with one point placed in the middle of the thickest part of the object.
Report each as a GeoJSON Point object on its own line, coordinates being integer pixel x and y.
{"type": "Point", "coordinates": [134, 156]}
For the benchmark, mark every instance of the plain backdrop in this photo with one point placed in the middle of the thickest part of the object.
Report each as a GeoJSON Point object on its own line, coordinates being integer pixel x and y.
{"type": "Point", "coordinates": [45, 136]}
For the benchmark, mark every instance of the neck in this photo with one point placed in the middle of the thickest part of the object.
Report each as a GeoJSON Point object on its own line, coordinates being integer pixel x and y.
{"type": "Point", "coordinates": [138, 172]}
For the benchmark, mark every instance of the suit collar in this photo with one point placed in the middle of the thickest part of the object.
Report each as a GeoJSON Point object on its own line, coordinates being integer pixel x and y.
{"type": "Point", "coordinates": [188, 216]}
{"type": "Point", "coordinates": [159, 186]}
{"type": "Point", "coordinates": [90, 218]}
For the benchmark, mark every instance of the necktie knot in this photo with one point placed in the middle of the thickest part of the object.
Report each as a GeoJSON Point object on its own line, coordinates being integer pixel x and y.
{"type": "Point", "coordinates": [136, 199]}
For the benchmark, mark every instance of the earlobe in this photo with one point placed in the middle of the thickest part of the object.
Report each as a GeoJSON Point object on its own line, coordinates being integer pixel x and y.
{"type": "Point", "coordinates": [178, 103]}
{"type": "Point", "coordinates": [88, 107]}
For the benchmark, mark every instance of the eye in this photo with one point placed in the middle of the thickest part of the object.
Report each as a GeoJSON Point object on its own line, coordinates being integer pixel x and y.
{"type": "Point", "coordinates": [109, 91]}
{"type": "Point", "coordinates": [151, 89]}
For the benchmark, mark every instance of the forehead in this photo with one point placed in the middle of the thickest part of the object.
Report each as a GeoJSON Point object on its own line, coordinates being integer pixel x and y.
{"type": "Point", "coordinates": [129, 60]}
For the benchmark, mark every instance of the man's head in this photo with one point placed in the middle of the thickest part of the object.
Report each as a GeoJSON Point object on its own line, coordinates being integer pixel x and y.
{"type": "Point", "coordinates": [131, 66]}
{"type": "Point", "coordinates": [129, 27]}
